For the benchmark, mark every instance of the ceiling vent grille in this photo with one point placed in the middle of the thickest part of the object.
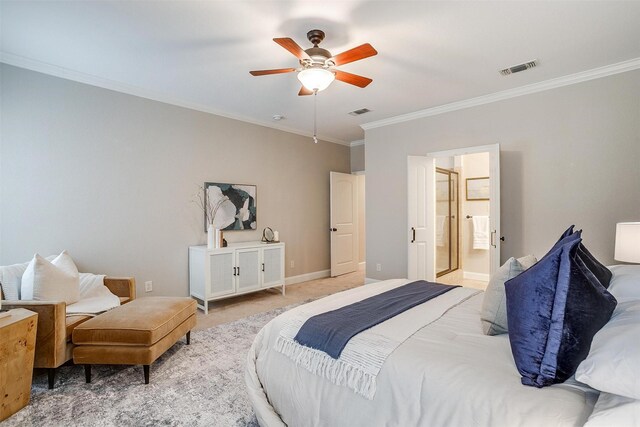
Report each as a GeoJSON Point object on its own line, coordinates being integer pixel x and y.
{"type": "Point", "coordinates": [359, 112]}
{"type": "Point", "coordinates": [520, 67]}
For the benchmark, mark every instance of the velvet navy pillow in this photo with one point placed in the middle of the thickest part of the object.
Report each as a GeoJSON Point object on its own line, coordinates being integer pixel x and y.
{"type": "Point", "coordinates": [554, 309]}
{"type": "Point", "coordinates": [567, 232]}
{"type": "Point", "coordinates": [598, 269]}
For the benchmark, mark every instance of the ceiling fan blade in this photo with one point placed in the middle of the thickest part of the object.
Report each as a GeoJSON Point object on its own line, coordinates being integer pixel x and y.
{"type": "Point", "coordinates": [305, 91]}
{"type": "Point", "coordinates": [292, 47]}
{"type": "Point", "coordinates": [267, 72]}
{"type": "Point", "coordinates": [352, 79]}
{"type": "Point", "coordinates": [355, 54]}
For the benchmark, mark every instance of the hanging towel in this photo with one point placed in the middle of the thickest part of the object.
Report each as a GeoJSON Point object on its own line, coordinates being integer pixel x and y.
{"type": "Point", "coordinates": [440, 220]}
{"type": "Point", "coordinates": [481, 232]}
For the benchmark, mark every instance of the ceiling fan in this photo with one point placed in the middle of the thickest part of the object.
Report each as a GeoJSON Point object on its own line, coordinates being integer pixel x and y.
{"type": "Point", "coordinates": [317, 65]}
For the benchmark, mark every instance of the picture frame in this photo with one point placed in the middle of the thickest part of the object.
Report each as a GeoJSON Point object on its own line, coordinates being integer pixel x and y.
{"type": "Point", "coordinates": [478, 188]}
{"type": "Point", "coordinates": [237, 210]}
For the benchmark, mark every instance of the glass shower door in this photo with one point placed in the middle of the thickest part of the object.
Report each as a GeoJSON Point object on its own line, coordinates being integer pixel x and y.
{"type": "Point", "coordinates": [447, 230]}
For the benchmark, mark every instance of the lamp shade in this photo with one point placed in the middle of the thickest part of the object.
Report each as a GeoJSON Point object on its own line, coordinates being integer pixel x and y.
{"type": "Point", "coordinates": [316, 78]}
{"type": "Point", "coordinates": [627, 242]}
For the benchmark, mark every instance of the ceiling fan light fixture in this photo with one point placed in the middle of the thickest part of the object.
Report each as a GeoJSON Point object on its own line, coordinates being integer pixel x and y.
{"type": "Point", "coordinates": [316, 78]}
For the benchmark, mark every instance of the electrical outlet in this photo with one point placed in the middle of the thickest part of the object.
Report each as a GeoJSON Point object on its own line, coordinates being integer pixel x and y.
{"type": "Point", "coordinates": [293, 264]}
{"type": "Point", "coordinates": [148, 286]}
{"type": "Point", "coordinates": [378, 267]}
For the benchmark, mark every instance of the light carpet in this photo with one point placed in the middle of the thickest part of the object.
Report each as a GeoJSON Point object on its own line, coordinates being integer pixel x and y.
{"type": "Point", "coordinates": [201, 384]}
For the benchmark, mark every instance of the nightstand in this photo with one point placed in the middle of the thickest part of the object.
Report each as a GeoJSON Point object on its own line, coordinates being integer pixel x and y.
{"type": "Point", "coordinates": [17, 345]}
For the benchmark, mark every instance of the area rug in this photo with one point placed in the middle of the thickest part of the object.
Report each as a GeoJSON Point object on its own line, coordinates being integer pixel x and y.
{"type": "Point", "coordinates": [201, 384]}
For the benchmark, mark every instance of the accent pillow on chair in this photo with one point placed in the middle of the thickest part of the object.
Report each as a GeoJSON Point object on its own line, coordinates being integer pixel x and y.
{"type": "Point", "coordinates": [57, 280]}
{"type": "Point", "coordinates": [494, 304]}
{"type": "Point", "coordinates": [10, 277]}
{"type": "Point", "coordinates": [554, 309]}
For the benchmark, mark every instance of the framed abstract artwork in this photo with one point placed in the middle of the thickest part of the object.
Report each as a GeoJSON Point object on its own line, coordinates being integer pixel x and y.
{"type": "Point", "coordinates": [233, 206]}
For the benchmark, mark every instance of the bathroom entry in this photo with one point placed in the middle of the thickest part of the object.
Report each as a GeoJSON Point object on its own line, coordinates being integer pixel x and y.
{"type": "Point", "coordinates": [454, 215]}
{"type": "Point", "coordinates": [447, 223]}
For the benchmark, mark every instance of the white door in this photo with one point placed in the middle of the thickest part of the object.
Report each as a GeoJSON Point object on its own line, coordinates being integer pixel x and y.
{"type": "Point", "coordinates": [344, 223]}
{"type": "Point", "coordinates": [421, 222]}
{"type": "Point", "coordinates": [247, 269]}
{"type": "Point", "coordinates": [494, 207]}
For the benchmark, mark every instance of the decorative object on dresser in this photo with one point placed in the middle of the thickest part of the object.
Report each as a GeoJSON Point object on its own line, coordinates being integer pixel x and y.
{"type": "Point", "coordinates": [237, 269]}
{"type": "Point", "coordinates": [17, 348]}
{"type": "Point", "coordinates": [234, 204]}
{"type": "Point", "coordinates": [270, 236]}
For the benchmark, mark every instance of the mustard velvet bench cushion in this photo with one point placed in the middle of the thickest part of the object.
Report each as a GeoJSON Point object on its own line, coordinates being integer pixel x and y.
{"type": "Point", "coordinates": [136, 333]}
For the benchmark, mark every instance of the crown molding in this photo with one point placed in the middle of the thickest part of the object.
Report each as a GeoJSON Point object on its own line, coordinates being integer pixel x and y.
{"type": "Point", "coordinates": [583, 76]}
{"type": "Point", "coordinates": [89, 79]}
{"type": "Point", "coordinates": [356, 143]}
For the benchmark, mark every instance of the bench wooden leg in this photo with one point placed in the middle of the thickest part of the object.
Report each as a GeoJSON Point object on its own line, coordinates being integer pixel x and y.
{"type": "Point", "coordinates": [87, 373]}
{"type": "Point", "coordinates": [146, 373]}
{"type": "Point", "coordinates": [188, 337]}
{"type": "Point", "coordinates": [51, 374]}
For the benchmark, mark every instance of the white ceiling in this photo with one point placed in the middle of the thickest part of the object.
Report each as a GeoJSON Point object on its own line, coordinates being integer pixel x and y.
{"type": "Point", "coordinates": [199, 53]}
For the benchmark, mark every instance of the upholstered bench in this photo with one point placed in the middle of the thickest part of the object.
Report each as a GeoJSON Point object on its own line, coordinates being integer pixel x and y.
{"type": "Point", "coordinates": [136, 333]}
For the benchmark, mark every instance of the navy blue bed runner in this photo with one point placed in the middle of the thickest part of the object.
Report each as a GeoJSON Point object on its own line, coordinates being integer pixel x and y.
{"type": "Point", "coordinates": [331, 331]}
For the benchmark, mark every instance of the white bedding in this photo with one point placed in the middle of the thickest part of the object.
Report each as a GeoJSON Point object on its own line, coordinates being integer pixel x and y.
{"type": "Point", "coordinates": [447, 374]}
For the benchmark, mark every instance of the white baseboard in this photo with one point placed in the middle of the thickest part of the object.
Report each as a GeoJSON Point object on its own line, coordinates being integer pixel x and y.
{"type": "Point", "coordinates": [475, 276]}
{"type": "Point", "coordinates": [362, 266]}
{"type": "Point", "coordinates": [292, 280]}
{"type": "Point", "coordinates": [368, 280]}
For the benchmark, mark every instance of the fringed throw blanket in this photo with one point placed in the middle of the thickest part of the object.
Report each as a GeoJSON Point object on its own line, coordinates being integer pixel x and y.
{"type": "Point", "coordinates": [377, 321]}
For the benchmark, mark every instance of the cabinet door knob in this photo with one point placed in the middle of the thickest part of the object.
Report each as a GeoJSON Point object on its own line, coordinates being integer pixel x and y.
{"type": "Point", "coordinates": [263, 266]}
{"type": "Point", "coordinates": [333, 229]}
{"type": "Point", "coordinates": [234, 271]}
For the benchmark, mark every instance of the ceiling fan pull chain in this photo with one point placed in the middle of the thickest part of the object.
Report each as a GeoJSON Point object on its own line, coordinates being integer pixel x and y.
{"type": "Point", "coordinates": [315, 116]}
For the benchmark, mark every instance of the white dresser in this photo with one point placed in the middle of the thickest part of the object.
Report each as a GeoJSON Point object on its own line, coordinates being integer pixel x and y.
{"type": "Point", "coordinates": [238, 269]}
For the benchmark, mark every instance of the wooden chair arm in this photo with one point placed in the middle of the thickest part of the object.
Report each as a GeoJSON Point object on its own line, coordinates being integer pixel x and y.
{"type": "Point", "coordinates": [51, 334]}
{"type": "Point", "coordinates": [121, 286]}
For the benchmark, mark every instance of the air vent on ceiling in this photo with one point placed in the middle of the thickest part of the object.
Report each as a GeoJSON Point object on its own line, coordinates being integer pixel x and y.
{"type": "Point", "coordinates": [519, 67]}
{"type": "Point", "coordinates": [360, 111]}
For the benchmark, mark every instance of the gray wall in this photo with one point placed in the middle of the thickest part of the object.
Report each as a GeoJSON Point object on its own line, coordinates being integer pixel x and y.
{"type": "Point", "coordinates": [109, 177]}
{"type": "Point", "coordinates": [568, 155]}
{"type": "Point", "coordinates": [357, 158]}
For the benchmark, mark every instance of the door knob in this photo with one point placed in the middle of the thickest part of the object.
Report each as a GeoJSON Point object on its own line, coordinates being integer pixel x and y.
{"type": "Point", "coordinates": [333, 229]}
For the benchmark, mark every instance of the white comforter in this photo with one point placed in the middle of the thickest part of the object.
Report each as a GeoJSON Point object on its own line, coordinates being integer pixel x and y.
{"type": "Point", "coordinates": [447, 374]}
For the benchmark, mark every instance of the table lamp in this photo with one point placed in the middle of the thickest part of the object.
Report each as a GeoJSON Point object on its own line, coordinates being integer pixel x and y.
{"type": "Point", "coordinates": [627, 242]}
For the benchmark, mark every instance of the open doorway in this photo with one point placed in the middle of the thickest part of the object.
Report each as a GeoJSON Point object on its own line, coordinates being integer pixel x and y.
{"type": "Point", "coordinates": [454, 216]}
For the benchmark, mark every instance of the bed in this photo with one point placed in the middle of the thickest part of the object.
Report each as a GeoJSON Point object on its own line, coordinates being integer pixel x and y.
{"type": "Point", "coordinates": [448, 373]}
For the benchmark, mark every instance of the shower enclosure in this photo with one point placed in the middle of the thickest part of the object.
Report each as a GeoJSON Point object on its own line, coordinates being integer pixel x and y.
{"type": "Point", "coordinates": [447, 224]}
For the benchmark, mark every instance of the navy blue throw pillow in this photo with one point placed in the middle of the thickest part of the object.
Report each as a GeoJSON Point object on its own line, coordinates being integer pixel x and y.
{"type": "Point", "coordinates": [567, 232]}
{"type": "Point", "coordinates": [596, 267]}
{"type": "Point", "coordinates": [564, 239]}
{"type": "Point", "coordinates": [554, 309]}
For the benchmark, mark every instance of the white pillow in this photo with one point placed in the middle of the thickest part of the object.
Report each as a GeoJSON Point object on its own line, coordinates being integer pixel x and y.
{"type": "Point", "coordinates": [625, 282]}
{"type": "Point", "coordinates": [10, 277]}
{"type": "Point", "coordinates": [494, 304]}
{"type": "Point", "coordinates": [612, 410]}
{"type": "Point", "coordinates": [57, 280]}
{"type": "Point", "coordinates": [613, 363]}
